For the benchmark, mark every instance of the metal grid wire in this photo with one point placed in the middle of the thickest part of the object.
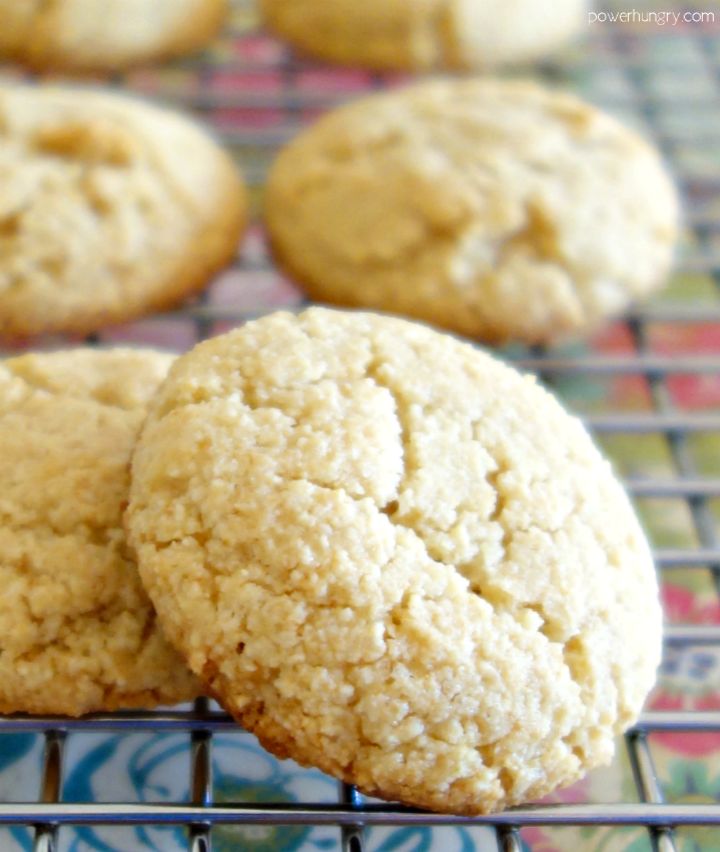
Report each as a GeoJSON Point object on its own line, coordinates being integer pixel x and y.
{"type": "Point", "coordinates": [289, 103]}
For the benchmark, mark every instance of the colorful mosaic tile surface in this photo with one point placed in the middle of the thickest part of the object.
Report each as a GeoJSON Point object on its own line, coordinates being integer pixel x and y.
{"type": "Point", "coordinates": [665, 80]}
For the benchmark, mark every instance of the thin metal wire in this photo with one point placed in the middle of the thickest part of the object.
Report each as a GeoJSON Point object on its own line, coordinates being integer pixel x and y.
{"type": "Point", "coordinates": [699, 558]}
{"type": "Point", "coordinates": [352, 837]}
{"type": "Point", "coordinates": [201, 779]}
{"type": "Point", "coordinates": [673, 313]}
{"type": "Point", "coordinates": [646, 424]}
{"type": "Point", "coordinates": [688, 488]}
{"type": "Point", "coordinates": [645, 774]}
{"type": "Point", "coordinates": [608, 365]}
{"type": "Point", "coordinates": [292, 99]}
{"type": "Point", "coordinates": [167, 721]}
{"type": "Point", "coordinates": [46, 833]}
{"type": "Point", "coordinates": [690, 634]}
{"type": "Point", "coordinates": [239, 813]}
{"type": "Point", "coordinates": [509, 839]}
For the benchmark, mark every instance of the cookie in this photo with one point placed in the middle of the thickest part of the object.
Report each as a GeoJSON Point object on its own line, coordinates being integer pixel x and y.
{"type": "Point", "coordinates": [392, 557]}
{"type": "Point", "coordinates": [97, 35]}
{"type": "Point", "coordinates": [412, 35]}
{"type": "Point", "coordinates": [77, 631]}
{"type": "Point", "coordinates": [499, 210]}
{"type": "Point", "coordinates": [109, 208]}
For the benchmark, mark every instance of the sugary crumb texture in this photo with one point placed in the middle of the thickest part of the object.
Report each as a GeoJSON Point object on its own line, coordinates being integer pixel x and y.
{"type": "Point", "coordinates": [77, 631]}
{"type": "Point", "coordinates": [109, 208]}
{"type": "Point", "coordinates": [497, 209]}
{"type": "Point", "coordinates": [90, 35]}
{"type": "Point", "coordinates": [394, 558]}
{"type": "Point", "coordinates": [425, 34]}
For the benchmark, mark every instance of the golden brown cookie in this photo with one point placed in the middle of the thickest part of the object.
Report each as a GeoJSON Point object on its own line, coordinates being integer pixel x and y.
{"type": "Point", "coordinates": [77, 631]}
{"type": "Point", "coordinates": [500, 210]}
{"type": "Point", "coordinates": [109, 209]}
{"type": "Point", "coordinates": [425, 34]}
{"type": "Point", "coordinates": [394, 558]}
{"type": "Point", "coordinates": [98, 35]}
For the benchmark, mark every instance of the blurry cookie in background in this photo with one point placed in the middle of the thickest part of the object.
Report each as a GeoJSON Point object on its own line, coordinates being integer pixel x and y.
{"type": "Point", "coordinates": [412, 35]}
{"type": "Point", "coordinates": [500, 210]}
{"type": "Point", "coordinates": [110, 208]}
{"type": "Point", "coordinates": [77, 631]}
{"type": "Point", "coordinates": [103, 35]}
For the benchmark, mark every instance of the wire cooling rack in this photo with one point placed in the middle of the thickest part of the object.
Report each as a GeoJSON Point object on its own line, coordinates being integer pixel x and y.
{"type": "Point", "coordinates": [650, 381]}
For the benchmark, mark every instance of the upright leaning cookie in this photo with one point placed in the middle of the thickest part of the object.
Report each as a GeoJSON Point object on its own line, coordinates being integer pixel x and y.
{"type": "Point", "coordinates": [96, 35]}
{"type": "Point", "coordinates": [496, 209]}
{"type": "Point", "coordinates": [109, 208]}
{"type": "Point", "coordinates": [77, 631]}
{"type": "Point", "coordinates": [424, 34]}
{"type": "Point", "coordinates": [392, 557]}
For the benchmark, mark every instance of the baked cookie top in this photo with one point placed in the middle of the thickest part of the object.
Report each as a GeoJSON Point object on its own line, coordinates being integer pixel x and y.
{"type": "Point", "coordinates": [109, 208]}
{"type": "Point", "coordinates": [77, 631]}
{"type": "Point", "coordinates": [497, 209]}
{"type": "Point", "coordinates": [394, 558]}
{"type": "Point", "coordinates": [97, 35]}
{"type": "Point", "coordinates": [425, 34]}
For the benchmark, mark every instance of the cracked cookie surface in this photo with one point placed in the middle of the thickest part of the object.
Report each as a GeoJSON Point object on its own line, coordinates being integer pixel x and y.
{"type": "Point", "coordinates": [424, 34]}
{"type": "Point", "coordinates": [394, 558]}
{"type": "Point", "coordinates": [109, 208]}
{"type": "Point", "coordinates": [91, 35]}
{"type": "Point", "coordinates": [77, 631]}
{"type": "Point", "coordinates": [500, 210]}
